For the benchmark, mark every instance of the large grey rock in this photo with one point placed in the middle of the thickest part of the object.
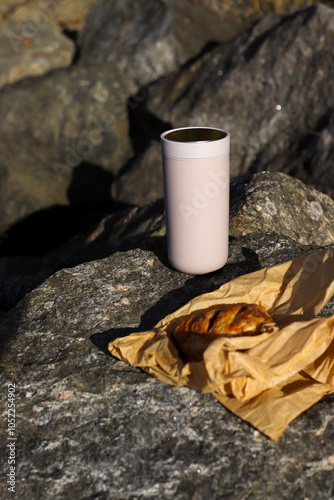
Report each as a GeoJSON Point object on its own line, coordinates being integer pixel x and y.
{"type": "Point", "coordinates": [31, 39]}
{"type": "Point", "coordinates": [313, 158]}
{"type": "Point", "coordinates": [197, 24]}
{"type": "Point", "coordinates": [28, 181]}
{"type": "Point", "coordinates": [276, 201]}
{"type": "Point", "coordinates": [31, 51]}
{"type": "Point", "coordinates": [121, 231]}
{"type": "Point", "coordinates": [151, 39]}
{"type": "Point", "coordinates": [136, 34]}
{"type": "Point", "coordinates": [270, 87]}
{"type": "Point", "coordinates": [142, 182]}
{"type": "Point", "coordinates": [49, 127]}
{"type": "Point", "coordinates": [263, 202]}
{"type": "Point", "coordinates": [82, 416]}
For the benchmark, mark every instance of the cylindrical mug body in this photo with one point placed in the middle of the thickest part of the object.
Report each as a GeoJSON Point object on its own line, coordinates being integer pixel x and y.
{"type": "Point", "coordinates": [196, 189]}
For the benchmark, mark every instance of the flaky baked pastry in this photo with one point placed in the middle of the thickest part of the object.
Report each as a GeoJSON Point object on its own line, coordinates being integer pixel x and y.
{"type": "Point", "coordinates": [194, 332]}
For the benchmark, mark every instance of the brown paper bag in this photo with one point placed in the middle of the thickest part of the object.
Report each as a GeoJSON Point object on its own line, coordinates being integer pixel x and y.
{"type": "Point", "coordinates": [266, 379]}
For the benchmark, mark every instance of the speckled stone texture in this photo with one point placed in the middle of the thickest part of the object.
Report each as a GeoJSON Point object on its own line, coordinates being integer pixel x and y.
{"type": "Point", "coordinates": [90, 426]}
{"type": "Point", "coordinates": [263, 201]}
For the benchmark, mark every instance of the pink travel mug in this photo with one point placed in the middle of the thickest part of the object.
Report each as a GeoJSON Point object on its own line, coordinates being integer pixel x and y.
{"type": "Point", "coordinates": [196, 172]}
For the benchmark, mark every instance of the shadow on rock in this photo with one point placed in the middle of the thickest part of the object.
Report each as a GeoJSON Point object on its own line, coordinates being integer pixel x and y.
{"type": "Point", "coordinates": [89, 198]}
{"type": "Point", "coordinates": [174, 299]}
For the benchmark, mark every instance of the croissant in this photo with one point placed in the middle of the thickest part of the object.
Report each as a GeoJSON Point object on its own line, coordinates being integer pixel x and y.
{"type": "Point", "coordinates": [194, 332]}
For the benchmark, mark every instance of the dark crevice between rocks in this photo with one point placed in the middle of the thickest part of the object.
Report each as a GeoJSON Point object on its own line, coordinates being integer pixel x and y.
{"type": "Point", "coordinates": [46, 229]}
{"type": "Point", "coordinates": [308, 143]}
{"type": "Point", "coordinates": [143, 125]}
{"type": "Point", "coordinates": [42, 231]}
{"type": "Point", "coordinates": [307, 149]}
{"type": "Point", "coordinates": [209, 47]}
{"type": "Point", "coordinates": [127, 167]}
{"type": "Point", "coordinates": [70, 226]}
{"type": "Point", "coordinates": [73, 34]}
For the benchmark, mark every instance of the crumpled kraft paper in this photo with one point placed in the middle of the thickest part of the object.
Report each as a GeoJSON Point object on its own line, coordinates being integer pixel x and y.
{"type": "Point", "coordinates": [266, 379]}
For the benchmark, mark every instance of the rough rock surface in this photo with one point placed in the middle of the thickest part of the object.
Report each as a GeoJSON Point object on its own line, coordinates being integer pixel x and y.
{"type": "Point", "coordinates": [146, 52]}
{"type": "Point", "coordinates": [54, 124]}
{"type": "Point", "coordinates": [28, 181]}
{"type": "Point", "coordinates": [82, 416]}
{"type": "Point", "coordinates": [31, 38]}
{"type": "Point", "coordinates": [25, 53]}
{"type": "Point", "coordinates": [142, 182]}
{"type": "Point", "coordinates": [128, 228]}
{"type": "Point", "coordinates": [198, 24]}
{"type": "Point", "coordinates": [270, 87]}
{"type": "Point", "coordinates": [265, 201]}
{"type": "Point", "coordinates": [150, 39]}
